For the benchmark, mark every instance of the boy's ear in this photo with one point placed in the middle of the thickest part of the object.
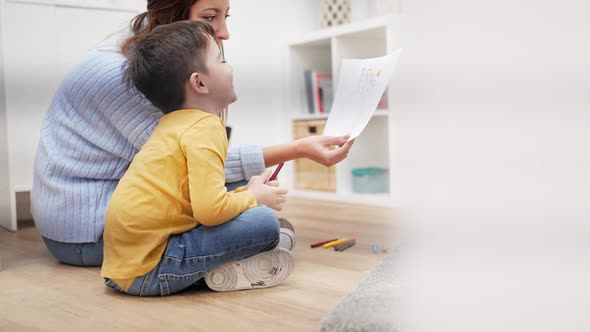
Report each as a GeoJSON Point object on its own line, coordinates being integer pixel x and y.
{"type": "Point", "coordinates": [197, 84]}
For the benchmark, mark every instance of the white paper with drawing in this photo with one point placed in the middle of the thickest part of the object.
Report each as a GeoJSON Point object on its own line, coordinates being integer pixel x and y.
{"type": "Point", "coordinates": [360, 87]}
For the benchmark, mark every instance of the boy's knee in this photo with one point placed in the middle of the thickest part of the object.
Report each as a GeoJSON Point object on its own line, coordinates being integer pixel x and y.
{"type": "Point", "coordinates": [268, 220]}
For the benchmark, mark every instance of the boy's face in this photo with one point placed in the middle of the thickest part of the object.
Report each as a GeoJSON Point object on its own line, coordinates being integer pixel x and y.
{"type": "Point", "coordinates": [220, 78]}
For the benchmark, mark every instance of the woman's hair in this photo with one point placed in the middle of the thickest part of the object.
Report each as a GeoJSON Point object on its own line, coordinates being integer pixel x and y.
{"type": "Point", "coordinates": [159, 63]}
{"type": "Point", "coordinates": [158, 13]}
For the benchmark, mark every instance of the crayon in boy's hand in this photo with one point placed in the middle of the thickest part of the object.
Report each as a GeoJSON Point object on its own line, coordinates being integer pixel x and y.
{"type": "Point", "coordinates": [375, 250]}
{"type": "Point", "coordinates": [276, 172]}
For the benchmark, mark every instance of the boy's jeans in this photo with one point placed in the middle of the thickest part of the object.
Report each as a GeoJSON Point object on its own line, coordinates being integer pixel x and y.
{"type": "Point", "coordinates": [190, 255]}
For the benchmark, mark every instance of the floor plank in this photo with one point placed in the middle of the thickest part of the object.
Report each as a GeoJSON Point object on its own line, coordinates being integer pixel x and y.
{"type": "Point", "coordinates": [39, 294]}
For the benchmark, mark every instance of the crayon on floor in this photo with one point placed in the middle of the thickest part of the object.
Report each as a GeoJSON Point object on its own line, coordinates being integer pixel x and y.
{"type": "Point", "coordinates": [341, 245]}
{"type": "Point", "coordinates": [347, 245]}
{"type": "Point", "coordinates": [317, 244]}
{"type": "Point", "coordinates": [339, 242]}
{"type": "Point", "coordinates": [331, 244]}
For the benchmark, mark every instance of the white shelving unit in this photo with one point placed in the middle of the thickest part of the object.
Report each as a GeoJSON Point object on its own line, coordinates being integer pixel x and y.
{"type": "Point", "coordinates": [323, 51]}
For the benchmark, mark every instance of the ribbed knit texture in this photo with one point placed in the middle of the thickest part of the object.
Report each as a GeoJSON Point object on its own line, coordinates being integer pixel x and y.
{"type": "Point", "coordinates": [91, 132]}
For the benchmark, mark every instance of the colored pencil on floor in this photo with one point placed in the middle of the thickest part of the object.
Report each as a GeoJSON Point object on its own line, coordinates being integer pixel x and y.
{"type": "Point", "coordinates": [338, 248]}
{"type": "Point", "coordinates": [329, 244]}
{"type": "Point", "coordinates": [346, 245]}
{"type": "Point", "coordinates": [317, 244]}
{"type": "Point", "coordinates": [336, 243]}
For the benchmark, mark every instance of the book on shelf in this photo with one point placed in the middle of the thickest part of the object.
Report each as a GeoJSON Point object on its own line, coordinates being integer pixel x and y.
{"type": "Point", "coordinates": [318, 91]}
{"type": "Point", "coordinates": [309, 91]}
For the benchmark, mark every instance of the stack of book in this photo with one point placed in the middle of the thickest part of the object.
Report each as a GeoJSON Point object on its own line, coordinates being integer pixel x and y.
{"type": "Point", "coordinates": [319, 91]}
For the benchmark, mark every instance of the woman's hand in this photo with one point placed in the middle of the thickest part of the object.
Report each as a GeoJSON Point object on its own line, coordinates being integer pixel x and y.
{"type": "Point", "coordinates": [317, 148]}
{"type": "Point", "coordinates": [267, 193]}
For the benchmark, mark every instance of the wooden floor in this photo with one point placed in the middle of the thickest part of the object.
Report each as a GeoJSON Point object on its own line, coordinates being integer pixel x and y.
{"type": "Point", "coordinates": [39, 294]}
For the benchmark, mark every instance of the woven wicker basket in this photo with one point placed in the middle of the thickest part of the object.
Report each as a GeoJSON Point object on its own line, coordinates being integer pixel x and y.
{"type": "Point", "coordinates": [309, 174]}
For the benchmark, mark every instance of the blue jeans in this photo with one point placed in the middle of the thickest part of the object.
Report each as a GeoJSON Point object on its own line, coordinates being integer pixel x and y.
{"type": "Point", "coordinates": [91, 254]}
{"type": "Point", "coordinates": [188, 256]}
{"type": "Point", "coordinates": [79, 254]}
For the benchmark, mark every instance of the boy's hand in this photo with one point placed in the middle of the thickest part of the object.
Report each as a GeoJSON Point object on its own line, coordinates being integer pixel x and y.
{"type": "Point", "coordinates": [268, 194]}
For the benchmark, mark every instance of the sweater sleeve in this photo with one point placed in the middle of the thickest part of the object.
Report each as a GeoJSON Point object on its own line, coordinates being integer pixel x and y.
{"type": "Point", "coordinates": [244, 162]}
{"type": "Point", "coordinates": [204, 145]}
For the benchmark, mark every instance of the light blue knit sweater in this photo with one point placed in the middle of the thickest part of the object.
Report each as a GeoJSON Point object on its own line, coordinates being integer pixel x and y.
{"type": "Point", "coordinates": [92, 130]}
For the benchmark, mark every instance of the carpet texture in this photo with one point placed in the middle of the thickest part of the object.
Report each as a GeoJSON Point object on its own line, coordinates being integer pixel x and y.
{"type": "Point", "coordinates": [370, 306]}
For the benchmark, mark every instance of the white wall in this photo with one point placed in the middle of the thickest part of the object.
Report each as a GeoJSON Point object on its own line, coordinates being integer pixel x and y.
{"type": "Point", "coordinates": [491, 152]}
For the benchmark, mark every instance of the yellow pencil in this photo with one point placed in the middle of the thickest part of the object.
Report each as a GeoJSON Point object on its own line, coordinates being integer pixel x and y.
{"type": "Point", "coordinates": [330, 244]}
{"type": "Point", "coordinates": [337, 242]}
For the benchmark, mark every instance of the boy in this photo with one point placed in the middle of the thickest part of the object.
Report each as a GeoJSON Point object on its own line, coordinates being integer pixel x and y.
{"type": "Point", "coordinates": [171, 220]}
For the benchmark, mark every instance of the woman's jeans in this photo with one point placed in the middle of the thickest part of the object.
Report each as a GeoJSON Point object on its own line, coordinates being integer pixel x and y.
{"type": "Point", "coordinates": [79, 254]}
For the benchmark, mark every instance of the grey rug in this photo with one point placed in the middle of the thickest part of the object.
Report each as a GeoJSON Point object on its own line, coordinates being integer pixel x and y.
{"type": "Point", "coordinates": [370, 306]}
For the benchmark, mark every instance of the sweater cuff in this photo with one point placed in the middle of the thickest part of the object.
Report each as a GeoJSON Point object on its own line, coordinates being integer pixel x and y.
{"type": "Point", "coordinates": [244, 162]}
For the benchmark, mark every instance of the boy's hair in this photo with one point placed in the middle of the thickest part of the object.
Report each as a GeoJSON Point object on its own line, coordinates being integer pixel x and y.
{"type": "Point", "coordinates": [160, 63]}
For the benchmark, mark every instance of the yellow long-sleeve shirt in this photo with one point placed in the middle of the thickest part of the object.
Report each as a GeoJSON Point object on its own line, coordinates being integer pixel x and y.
{"type": "Point", "coordinates": [175, 183]}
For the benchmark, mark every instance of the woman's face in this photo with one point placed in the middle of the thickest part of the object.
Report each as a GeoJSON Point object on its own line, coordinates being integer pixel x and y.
{"type": "Point", "coordinates": [213, 12]}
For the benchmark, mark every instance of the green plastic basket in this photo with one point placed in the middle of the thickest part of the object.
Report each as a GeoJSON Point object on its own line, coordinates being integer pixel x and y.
{"type": "Point", "coordinates": [370, 180]}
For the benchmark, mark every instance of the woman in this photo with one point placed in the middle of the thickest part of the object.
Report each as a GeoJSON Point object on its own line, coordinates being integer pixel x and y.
{"type": "Point", "coordinates": [96, 124]}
